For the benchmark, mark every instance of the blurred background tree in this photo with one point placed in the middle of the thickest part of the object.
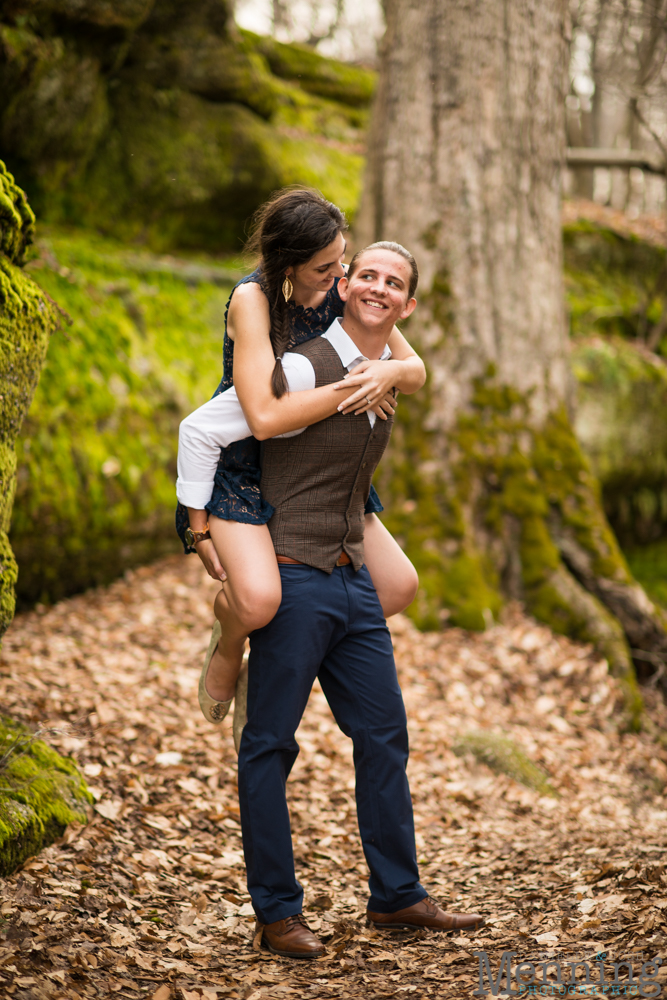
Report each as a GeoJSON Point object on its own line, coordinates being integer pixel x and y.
{"type": "Point", "coordinates": [618, 87]}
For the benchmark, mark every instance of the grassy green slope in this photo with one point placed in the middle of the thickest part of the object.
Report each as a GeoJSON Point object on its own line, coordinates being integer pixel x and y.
{"type": "Point", "coordinates": [97, 453]}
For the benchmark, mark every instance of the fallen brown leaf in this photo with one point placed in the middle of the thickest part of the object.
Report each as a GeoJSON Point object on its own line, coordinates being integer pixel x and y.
{"type": "Point", "coordinates": [151, 894]}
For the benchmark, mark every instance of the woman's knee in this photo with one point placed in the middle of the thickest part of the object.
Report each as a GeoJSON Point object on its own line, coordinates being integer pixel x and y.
{"type": "Point", "coordinates": [410, 586]}
{"type": "Point", "coordinates": [256, 606]}
{"type": "Point", "coordinates": [402, 592]}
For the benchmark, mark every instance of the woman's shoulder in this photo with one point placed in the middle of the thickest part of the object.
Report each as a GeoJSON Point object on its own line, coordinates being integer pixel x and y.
{"type": "Point", "coordinates": [249, 283]}
{"type": "Point", "coordinates": [248, 292]}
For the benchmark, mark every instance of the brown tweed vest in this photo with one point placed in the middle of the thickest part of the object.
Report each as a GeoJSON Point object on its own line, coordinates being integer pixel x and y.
{"type": "Point", "coordinates": [319, 481]}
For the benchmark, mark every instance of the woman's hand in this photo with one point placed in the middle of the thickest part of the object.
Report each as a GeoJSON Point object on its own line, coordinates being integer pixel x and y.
{"type": "Point", "coordinates": [208, 555]}
{"type": "Point", "coordinates": [375, 379]}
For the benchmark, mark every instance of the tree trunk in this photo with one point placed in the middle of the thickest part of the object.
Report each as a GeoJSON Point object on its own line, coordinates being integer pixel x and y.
{"type": "Point", "coordinates": [489, 491]}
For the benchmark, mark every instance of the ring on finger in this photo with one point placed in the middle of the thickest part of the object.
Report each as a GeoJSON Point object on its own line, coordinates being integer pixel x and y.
{"type": "Point", "coordinates": [368, 400]}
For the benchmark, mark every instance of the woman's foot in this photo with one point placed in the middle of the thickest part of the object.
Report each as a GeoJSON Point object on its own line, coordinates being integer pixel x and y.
{"type": "Point", "coordinates": [222, 675]}
{"type": "Point", "coordinates": [214, 708]}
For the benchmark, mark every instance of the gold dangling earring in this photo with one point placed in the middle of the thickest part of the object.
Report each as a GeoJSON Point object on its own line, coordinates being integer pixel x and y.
{"type": "Point", "coordinates": [288, 288]}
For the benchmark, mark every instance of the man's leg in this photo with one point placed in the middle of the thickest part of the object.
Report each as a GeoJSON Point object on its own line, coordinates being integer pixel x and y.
{"type": "Point", "coordinates": [284, 660]}
{"type": "Point", "coordinates": [358, 676]}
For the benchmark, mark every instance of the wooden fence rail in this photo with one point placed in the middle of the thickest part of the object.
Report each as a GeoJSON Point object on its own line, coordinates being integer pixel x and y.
{"type": "Point", "coordinates": [584, 156]}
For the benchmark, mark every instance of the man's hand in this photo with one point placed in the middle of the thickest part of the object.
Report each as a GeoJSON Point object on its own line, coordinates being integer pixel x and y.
{"type": "Point", "coordinates": [385, 408]}
{"type": "Point", "coordinates": [375, 379]}
{"type": "Point", "coordinates": [208, 555]}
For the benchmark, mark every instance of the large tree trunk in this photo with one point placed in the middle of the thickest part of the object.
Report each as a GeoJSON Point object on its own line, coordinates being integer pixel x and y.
{"type": "Point", "coordinates": [489, 490]}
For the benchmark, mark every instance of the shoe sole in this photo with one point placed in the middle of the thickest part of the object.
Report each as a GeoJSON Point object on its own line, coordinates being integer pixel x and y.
{"type": "Point", "coordinates": [421, 927]}
{"type": "Point", "coordinates": [291, 954]}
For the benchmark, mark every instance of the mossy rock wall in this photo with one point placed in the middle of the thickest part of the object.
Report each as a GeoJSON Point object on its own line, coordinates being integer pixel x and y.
{"type": "Point", "coordinates": [622, 425]}
{"type": "Point", "coordinates": [27, 318]}
{"type": "Point", "coordinates": [161, 122]}
{"type": "Point", "coordinates": [97, 456]}
{"type": "Point", "coordinates": [617, 294]}
{"type": "Point", "coordinates": [41, 793]}
{"type": "Point", "coordinates": [615, 283]}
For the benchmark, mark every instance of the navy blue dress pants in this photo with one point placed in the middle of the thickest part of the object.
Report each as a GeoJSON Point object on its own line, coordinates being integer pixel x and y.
{"type": "Point", "coordinates": [331, 627]}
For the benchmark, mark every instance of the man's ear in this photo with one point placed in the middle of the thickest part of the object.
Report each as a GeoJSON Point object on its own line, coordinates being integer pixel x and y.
{"type": "Point", "coordinates": [343, 286]}
{"type": "Point", "coordinates": [410, 307]}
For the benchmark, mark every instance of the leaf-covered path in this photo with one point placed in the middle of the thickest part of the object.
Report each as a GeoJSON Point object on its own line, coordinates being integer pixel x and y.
{"type": "Point", "coordinates": [150, 899]}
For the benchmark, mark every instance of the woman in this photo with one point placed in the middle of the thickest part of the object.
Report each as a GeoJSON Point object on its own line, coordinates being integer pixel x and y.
{"type": "Point", "coordinates": [290, 297]}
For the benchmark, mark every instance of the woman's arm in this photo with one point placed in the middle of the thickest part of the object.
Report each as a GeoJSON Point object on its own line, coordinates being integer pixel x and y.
{"type": "Point", "coordinates": [412, 374]}
{"type": "Point", "coordinates": [248, 324]}
{"type": "Point", "coordinates": [405, 371]}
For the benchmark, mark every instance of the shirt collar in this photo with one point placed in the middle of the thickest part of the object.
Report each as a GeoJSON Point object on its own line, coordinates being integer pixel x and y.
{"type": "Point", "coordinates": [345, 347]}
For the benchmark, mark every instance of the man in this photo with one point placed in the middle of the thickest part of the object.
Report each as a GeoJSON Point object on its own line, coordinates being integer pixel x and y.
{"type": "Point", "coordinates": [330, 625]}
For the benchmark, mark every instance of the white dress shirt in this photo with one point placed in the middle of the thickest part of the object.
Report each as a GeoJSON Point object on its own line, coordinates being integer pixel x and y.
{"type": "Point", "coordinates": [220, 422]}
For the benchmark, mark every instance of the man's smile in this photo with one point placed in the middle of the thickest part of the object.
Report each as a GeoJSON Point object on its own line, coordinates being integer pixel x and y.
{"type": "Point", "coordinates": [374, 304]}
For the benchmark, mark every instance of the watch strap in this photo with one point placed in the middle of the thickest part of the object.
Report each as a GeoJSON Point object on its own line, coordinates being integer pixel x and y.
{"type": "Point", "coordinates": [192, 536]}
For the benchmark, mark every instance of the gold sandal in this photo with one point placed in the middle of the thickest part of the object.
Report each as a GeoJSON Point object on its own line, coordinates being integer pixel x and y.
{"type": "Point", "coordinates": [213, 711]}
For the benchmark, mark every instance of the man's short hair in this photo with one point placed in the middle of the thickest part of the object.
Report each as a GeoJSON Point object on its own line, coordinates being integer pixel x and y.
{"type": "Point", "coordinates": [395, 248]}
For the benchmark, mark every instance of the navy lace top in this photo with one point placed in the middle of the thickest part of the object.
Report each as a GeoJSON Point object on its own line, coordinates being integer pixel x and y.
{"type": "Point", "coordinates": [236, 494]}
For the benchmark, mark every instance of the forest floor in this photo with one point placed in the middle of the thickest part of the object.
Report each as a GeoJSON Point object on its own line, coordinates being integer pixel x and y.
{"type": "Point", "coordinates": [149, 899]}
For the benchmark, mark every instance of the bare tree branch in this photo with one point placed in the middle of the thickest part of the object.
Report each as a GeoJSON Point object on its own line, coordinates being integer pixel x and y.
{"type": "Point", "coordinates": [314, 38]}
{"type": "Point", "coordinates": [635, 109]}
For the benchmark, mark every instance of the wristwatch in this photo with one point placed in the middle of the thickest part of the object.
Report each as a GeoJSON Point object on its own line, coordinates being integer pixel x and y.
{"type": "Point", "coordinates": [192, 537]}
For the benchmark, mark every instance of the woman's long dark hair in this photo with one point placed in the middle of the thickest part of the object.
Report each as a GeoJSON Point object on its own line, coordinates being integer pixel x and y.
{"type": "Point", "coordinates": [287, 231]}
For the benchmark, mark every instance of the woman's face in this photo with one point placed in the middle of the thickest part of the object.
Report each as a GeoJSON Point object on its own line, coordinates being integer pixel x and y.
{"type": "Point", "coordinates": [317, 274]}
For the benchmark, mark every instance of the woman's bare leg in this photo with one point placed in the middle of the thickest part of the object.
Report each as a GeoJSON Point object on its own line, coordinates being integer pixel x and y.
{"type": "Point", "coordinates": [248, 600]}
{"type": "Point", "coordinates": [391, 571]}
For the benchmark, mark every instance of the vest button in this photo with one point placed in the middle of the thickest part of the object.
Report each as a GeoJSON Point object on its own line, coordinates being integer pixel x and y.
{"type": "Point", "coordinates": [364, 464]}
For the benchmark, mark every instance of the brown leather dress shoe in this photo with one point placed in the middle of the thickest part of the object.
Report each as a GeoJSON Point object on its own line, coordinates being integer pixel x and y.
{"type": "Point", "coordinates": [291, 938]}
{"type": "Point", "coordinates": [426, 913]}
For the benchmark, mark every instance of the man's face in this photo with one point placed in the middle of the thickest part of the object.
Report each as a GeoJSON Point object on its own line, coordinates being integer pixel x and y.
{"type": "Point", "coordinates": [377, 293]}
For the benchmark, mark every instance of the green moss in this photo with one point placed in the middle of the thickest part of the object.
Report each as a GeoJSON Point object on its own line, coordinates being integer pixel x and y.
{"type": "Point", "coordinates": [612, 282]}
{"type": "Point", "coordinates": [40, 794]}
{"type": "Point", "coordinates": [621, 425]}
{"type": "Point", "coordinates": [57, 110]}
{"type": "Point", "coordinates": [648, 564]}
{"type": "Point", "coordinates": [352, 85]}
{"type": "Point", "coordinates": [27, 319]}
{"type": "Point", "coordinates": [17, 222]}
{"type": "Point", "coordinates": [192, 129]}
{"type": "Point", "coordinates": [504, 756]}
{"type": "Point", "coordinates": [97, 455]}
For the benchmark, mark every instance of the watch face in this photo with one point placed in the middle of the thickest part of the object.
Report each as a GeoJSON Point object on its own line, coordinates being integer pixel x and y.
{"type": "Point", "coordinates": [189, 536]}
